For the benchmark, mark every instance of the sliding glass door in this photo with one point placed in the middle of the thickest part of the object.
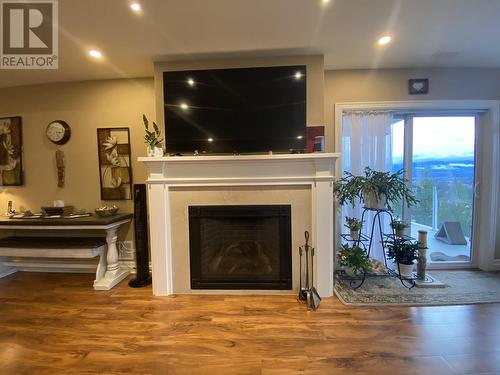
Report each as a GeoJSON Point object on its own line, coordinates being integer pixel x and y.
{"type": "Point", "coordinates": [438, 155]}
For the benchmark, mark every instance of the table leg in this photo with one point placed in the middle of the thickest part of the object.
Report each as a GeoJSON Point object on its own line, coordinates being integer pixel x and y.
{"type": "Point", "coordinates": [114, 274]}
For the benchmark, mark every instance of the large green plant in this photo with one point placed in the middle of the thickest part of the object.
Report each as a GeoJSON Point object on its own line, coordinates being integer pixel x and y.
{"type": "Point", "coordinates": [403, 252]}
{"type": "Point", "coordinates": [151, 138]}
{"type": "Point", "coordinates": [393, 185]}
{"type": "Point", "coordinates": [353, 257]}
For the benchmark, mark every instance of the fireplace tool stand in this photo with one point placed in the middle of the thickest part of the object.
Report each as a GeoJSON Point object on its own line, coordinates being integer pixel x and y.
{"type": "Point", "coordinates": [307, 291]}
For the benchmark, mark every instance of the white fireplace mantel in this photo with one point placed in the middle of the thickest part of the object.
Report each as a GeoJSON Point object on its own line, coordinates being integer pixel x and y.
{"type": "Point", "coordinates": [315, 170]}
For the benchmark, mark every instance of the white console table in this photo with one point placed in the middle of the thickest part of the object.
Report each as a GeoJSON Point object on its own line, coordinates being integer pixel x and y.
{"type": "Point", "coordinates": [109, 272]}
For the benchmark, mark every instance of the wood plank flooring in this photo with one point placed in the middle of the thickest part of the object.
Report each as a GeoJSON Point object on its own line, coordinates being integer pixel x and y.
{"type": "Point", "coordinates": [57, 324]}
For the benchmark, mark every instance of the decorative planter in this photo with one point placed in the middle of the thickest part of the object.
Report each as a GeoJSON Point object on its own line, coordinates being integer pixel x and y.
{"type": "Point", "coordinates": [355, 234]}
{"type": "Point", "coordinates": [154, 151]}
{"type": "Point", "coordinates": [372, 201]}
{"type": "Point", "coordinates": [405, 270]}
{"type": "Point", "coordinates": [399, 232]}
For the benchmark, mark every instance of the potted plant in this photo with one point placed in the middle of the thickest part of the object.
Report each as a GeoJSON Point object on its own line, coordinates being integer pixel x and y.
{"type": "Point", "coordinates": [378, 190]}
{"type": "Point", "coordinates": [353, 259]}
{"type": "Point", "coordinates": [354, 226]}
{"type": "Point", "coordinates": [152, 138]}
{"type": "Point", "coordinates": [404, 253]}
{"type": "Point", "coordinates": [399, 227]}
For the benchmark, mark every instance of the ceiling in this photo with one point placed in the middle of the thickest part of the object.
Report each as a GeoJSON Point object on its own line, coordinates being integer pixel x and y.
{"type": "Point", "coordinates": [451, 33]}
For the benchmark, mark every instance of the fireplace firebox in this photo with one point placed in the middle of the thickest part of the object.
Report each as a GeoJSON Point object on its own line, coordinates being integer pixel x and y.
{"type": "Point", "coordinates": [240, 247]}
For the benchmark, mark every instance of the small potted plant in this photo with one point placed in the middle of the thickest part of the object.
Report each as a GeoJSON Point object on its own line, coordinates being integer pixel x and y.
{"type": "Point", "coordinates": [378, 190]}
{"type": "Point", "coordinates": [353, 259]}
{"type": "Point", "coordinates": [399, 227]}
{"type": "Point", "coordinates": [354, 226]}
{"type": "Point", "coordinates": [152, 139]}
{"type": "Point", "coordinates": [404, 253]}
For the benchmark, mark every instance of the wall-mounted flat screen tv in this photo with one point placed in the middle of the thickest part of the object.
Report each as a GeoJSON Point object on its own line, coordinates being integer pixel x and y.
{"type": "Point", "coordinates": [244, 110]}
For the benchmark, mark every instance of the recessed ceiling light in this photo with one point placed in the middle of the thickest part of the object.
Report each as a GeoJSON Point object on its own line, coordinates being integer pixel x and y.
{"type": "Point", "coordinates": [298, 75]}
{"type": "Point", "coordinates": [299, 137]}
{"type": "Point", "coordinates": [136, 7]}
{"type": "Point", "coordinates": [325, 1]}
{"type": "Point", "coordinates": [95, 54]}
{"type": "Point", "coordinates": [184, 106]}
{"type": "Point", "coordinates": [386, 39]}
{"type": "Point", "coordinates": [210, 139]}
{"type": "Point", "coordinates": [190, 82]}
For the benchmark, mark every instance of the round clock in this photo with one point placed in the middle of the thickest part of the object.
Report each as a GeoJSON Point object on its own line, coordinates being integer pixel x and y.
{"type": "Point", "coordinates": [58, 132]}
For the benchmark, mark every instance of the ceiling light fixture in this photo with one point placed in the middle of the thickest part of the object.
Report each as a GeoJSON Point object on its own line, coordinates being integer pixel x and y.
{"type": "Point", "coordinates": [95, 54]}
{"type": "Point", "coordinates": [298, 75]}
{"type": "Point", "coordinates": [184, 106]}
{"type": "Point", "coordinates": [136, 7]}
{"type": "Point", "coordinates": [386, 39]}
{"type": "Point", "coordinates": [190, 82]}
{"type": "Point", "coordinates": [210, 139]}
{"type": "Point", "coordinates": [325, 1]}
{"type": "Point", "coordinates": [299, 137]}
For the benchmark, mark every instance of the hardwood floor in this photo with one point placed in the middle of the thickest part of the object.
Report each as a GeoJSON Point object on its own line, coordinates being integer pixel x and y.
{"type": "Point", "coordinates": [56, 323]}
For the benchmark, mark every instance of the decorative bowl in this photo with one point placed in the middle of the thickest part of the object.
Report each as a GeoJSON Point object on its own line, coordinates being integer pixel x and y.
{"type": "Point", "coordinates": [105, 212]}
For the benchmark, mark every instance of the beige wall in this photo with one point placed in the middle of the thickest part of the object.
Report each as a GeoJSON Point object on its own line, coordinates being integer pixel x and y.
{"type": "Point", "coordinates": [85, 106]}
{"type": "Point", "coordinates": [392, 85]}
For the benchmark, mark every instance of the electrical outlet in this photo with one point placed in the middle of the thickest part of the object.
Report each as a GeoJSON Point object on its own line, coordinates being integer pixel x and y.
{"type": "Point", "coordinates": [126, 250]}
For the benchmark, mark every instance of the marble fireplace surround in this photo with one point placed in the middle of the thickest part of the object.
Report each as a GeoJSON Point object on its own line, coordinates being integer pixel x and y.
{"type": "Point", "coordinates": [255, 172]}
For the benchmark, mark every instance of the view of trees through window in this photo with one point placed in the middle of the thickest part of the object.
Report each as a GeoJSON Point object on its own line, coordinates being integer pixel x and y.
{"type": "Point", "coordinates": [442, 169]}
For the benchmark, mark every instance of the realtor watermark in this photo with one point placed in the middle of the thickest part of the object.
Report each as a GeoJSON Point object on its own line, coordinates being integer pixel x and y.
{"type": "Point", "coordinates": [29, 34]}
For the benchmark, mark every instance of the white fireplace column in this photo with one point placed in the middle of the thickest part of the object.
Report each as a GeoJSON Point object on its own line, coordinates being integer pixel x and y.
{"type": "Point", "coordinates": [315, 170]}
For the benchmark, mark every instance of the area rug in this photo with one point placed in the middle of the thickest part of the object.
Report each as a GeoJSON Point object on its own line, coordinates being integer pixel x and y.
{"type": "Point", "coordinates": [462, 287]}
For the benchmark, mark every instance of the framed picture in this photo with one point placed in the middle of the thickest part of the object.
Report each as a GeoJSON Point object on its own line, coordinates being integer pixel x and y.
{"type": "Point", "coordinates": [11, 155]}
{"type": "Point", "coordinates": [418, 86]}
{"type": "Point", "coordinates": [114, 163]}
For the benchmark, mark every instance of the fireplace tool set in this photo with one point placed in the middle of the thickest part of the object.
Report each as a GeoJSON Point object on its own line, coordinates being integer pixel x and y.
{"type": "Point", "coordinates": [307, 291]}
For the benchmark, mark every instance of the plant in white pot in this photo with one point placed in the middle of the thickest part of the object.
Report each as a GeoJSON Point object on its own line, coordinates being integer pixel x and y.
{"type": "Point", "coordinates": [404, 253]}
{"type": "Point", "coordinates": [152, 139]}
{"type": "Point", "coordinates": [378, 190]}
{"type": "Point", "coordinates": [353, 259]}
{"type": "Point", "coordinates": [354, 226]}
{"type": "Point", "coordinates": [399, 227]}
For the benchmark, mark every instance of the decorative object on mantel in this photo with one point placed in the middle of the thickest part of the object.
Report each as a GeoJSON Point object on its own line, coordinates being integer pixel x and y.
{"type": "Point", "coordinates": [114, 163]}
{"type": "Point", "coordinates": [308, 292]}
{"type": "Point", "coordinates": [378, 190]}
{"type": "Point", "coordinates": [312, 133]}
{"type": "Point", "coordinates": [152, 139]}
{"type": "Point", "coordinates": [58, 132]}
{"type": "Point", "coordinates": [61, 167]}
{"type": "Point", "coordinates": [11, 145]}
{"type": "Point", "coordinates": [418, 86]}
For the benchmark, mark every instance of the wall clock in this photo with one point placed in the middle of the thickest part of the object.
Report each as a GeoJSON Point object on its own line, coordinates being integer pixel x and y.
{"type": "Point", "coordinates": [58, 132]}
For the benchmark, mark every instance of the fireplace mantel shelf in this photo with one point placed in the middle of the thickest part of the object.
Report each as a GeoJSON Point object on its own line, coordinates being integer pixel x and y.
{"type": "Point", "coordinates": [234, 170]}
{"type": "Point", "coordinates": [166, 173]}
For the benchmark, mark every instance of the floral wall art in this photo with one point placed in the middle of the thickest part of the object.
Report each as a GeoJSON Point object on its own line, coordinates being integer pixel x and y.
{"type": "Point", "coordinates": [11, 143]}
{"type": "Point", "coordinates": [114, 163]}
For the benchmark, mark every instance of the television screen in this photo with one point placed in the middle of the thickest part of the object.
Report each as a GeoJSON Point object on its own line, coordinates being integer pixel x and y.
{"type": "Point", "coordinates": [243, 110]}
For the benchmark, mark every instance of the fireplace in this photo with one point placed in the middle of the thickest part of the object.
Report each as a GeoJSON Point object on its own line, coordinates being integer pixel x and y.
{"type": "Point", "coordinates": [240, 247]}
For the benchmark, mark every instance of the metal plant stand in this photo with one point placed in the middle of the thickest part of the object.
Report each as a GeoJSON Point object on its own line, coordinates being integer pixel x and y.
{"type": "Point", "coordinates": [357, 281]}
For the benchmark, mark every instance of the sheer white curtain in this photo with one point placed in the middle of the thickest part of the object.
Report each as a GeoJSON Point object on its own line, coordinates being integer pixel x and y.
{"type": "Point", "coordinates": [366, 141]}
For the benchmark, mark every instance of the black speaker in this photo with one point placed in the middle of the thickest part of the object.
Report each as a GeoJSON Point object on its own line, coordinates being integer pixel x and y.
{"type": "Point", "coordinates": [143, 277]}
